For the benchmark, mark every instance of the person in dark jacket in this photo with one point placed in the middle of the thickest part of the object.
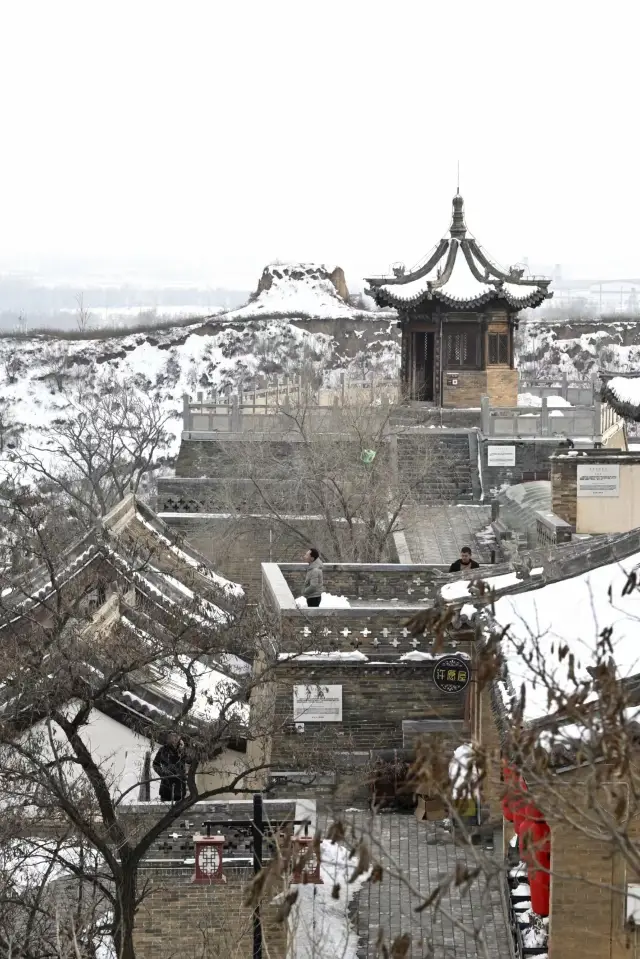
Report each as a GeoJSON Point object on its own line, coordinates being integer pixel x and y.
{"type": "Point", "coordinates": [465, 563]}
{"type": "Point", "coordinates": [314, 580]}
{"type": "Point", "coordinates": [170, 765]}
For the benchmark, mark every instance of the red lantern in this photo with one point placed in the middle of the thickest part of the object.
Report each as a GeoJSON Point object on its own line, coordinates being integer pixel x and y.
{"type": "Point", "coordinates": [507, 811]}
{"type": "Point", "coordinates": [508, 772]}
{"type": "Point", "coordinates": [518, 805]}
{"type": "Point", "coordinates": [536, 852]}
{"type": "Point", "coordinates": [539, 882]}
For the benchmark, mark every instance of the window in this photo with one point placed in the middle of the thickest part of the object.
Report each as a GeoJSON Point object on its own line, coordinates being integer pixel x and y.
{"type": "Point", "coordinates": [462, 349]}
{"type": "Point", "coordinates": [498, 348]}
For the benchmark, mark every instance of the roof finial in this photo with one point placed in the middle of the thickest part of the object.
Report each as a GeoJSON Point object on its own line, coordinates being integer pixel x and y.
{"type": "Point", "coordinates": [458, 184]}
{"type": "Point", "coordinates": [458, 227]}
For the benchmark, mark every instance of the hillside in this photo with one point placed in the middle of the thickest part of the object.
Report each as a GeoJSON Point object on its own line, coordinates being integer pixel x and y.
{"type": "Point", "coordinates": [302, 291]}
{"type": "Point", "coordinates": [548, 348]}
{"type": "Point", "coordinates": [40, 376]}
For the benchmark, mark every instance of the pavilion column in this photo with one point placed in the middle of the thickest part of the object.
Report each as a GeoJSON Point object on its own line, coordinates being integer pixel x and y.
{"type": "Point", "coordinates": [405, 362]}
{"type": "Point", "coordinates": [512, 332]}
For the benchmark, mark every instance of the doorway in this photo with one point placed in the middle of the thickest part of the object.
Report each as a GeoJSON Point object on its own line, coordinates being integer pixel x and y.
{"type": "Point", "coordinates": [423, 378]}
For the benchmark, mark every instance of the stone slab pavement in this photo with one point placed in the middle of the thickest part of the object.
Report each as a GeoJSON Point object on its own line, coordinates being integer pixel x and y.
{"type": "Point", "coordinates": [424, 854]}
{"type": "Point", "coordinates": [436, 534]}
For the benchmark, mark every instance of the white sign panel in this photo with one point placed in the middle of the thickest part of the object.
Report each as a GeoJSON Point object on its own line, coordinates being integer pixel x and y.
{"type": "Point", "coordinates": [501, 455]}
{"type": "Point", "coordinates": [599, 479]}
{"type": "Point", "coordinates": [317, 704]}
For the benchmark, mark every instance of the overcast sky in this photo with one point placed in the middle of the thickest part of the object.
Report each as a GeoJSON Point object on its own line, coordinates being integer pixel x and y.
{"type": "Point", "coordinates": [216, 136]}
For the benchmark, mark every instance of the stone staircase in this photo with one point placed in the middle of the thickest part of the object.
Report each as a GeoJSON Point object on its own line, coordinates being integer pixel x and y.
{"type": "Point", "coordinates": [439, 465]}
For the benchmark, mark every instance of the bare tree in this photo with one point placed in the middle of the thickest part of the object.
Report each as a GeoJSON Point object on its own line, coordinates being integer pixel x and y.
{"type": "Point", "coordinates": [83, 316]}
{"type": "Point", "coordinates": [108, 441]}
{"type": "Point", "coordinates": [56, 670]}
{"type": "Point", "coordinates": [327, 476]}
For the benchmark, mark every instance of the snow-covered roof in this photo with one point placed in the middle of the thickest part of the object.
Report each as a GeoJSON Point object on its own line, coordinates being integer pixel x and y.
{"type": "Point", "coordinates": [572, 612]}
{"type": "Point", "coordinates": [622, 393]}
{"type": "Point", "coordinates": [459, 274]}
{"type": "Point", "coordinates": [143, 549]}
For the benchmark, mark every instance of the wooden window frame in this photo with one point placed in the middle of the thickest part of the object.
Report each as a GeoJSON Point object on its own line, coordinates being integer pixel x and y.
{"type": "Point", "coordinates": [474, 335]}
{"type": "Point", "coordinates": [498, 349]}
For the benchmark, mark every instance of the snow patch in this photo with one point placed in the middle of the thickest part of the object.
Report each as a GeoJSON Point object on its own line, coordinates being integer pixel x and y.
{"type": "Point", "coordinates": [327, 601]}
{"type": "Point", "coordinates": [319, 924]}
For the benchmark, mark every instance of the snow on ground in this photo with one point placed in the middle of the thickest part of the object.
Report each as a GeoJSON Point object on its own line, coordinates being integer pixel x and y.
{"type": "Point", "coordinates": [573, 612]}
{"type": "Point", "coordinates": [528, 399]}
{"type": "Point", "coordinates": [319, 922]}
{"type": "Point", "coordinates": [547, 350]}
{"type": "Point", "coordinates": [460, 589]}
{"type": "Point", "coordinates": [327, 601]}
{"type": "Point", "coordinates": [40, 376]}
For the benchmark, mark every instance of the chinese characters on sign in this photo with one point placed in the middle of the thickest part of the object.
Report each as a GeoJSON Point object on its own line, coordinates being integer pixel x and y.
{"type": "Point", "coordinates": [598, 479]}
{"type": "Point", "coordinates": [317, 704]}
{"type": "Point", "coordinates": [451, 674]}
{"type": "Point", "coordinates": [501, 455]}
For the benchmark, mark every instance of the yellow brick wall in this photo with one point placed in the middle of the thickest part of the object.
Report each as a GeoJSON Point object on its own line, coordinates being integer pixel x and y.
{"type": "Point", "coordinates": [471, 385]}
{"type": "Point", "coordinates": [180, 919]}
{"type": "Point", "coordinates": [499, 383]}
{"type": "Point", "coordinates": [588, 876]}
{"type": "Point", "coordinates": [502, 386]}
{"type": "Point", "coordinates": [487, 735]}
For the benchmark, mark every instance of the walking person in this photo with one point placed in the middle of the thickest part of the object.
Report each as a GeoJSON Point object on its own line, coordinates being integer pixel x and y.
{"type": "Point", "coordinates": [170, 764]}
{"type": "Point", "coordinates": [465, 563]}
{"type": "Point", "coordinates": [314, 580]}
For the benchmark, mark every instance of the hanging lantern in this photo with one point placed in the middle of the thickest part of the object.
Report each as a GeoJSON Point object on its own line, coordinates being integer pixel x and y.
{"type": "Point", "coordinates": [508, 803]}
{"type": "Point", "coordinates": [535, 837]}
{"type": "Point", "coordinates": [519, 804]}
{"type": "Point", "coordinates": [208, 851]}
{"type": "Point", "coordinates": [306, 866]}
{"type": "Point", "coordinates": [540, 884]}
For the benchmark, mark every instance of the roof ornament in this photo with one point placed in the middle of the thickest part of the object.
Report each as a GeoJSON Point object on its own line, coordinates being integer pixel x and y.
{"type": "Point", "coordinates": [458, 226]}
{"type": "Point", "coordinates": [398, 269]}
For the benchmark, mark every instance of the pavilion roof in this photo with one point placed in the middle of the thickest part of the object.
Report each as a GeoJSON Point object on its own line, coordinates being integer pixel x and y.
{"type": "Point", "coordinates": [459, 274]}
{"type": "Point", "coordinates": [622, 392]}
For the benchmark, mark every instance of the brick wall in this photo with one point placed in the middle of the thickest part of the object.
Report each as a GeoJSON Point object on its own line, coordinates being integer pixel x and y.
{"type": "Point", "coordinates": [470, 386]}
{"type": "Point", "coordinates": [178, 918]}
{"type": "Point", "coordinates": [238, 545]}
{"type": "Point", "coordinates": [532, 462]}
{"type": "Point", "coordinates": [375, 701]}
{"type": "Point", "coordinates": [453, 419]}
{"type": "Point", "coordinates": [378, 632]}
{"type": "Point", "coordinates": [588, 880]}
{"type": "Point", "coordinates": [400, 584]}
{"type": "Point", "coordinates": [564, 489]}
{"type": "Point", "coordinates": [588, 869]}
{"type": "Point", "coordinates": [271, 456]}
{"type": "Point", "coordinates": [502, 386]}
{"type": "Point", "coordinates": [225, 494]}
{"type": "Point", "coordinates": [486, 733]}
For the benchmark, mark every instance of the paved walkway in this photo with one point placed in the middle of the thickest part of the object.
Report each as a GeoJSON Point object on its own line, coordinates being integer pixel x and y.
{"type": "Point", "coordinates": [425, 857]}
{"type": "Point", "coordinates": [436, 534]}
